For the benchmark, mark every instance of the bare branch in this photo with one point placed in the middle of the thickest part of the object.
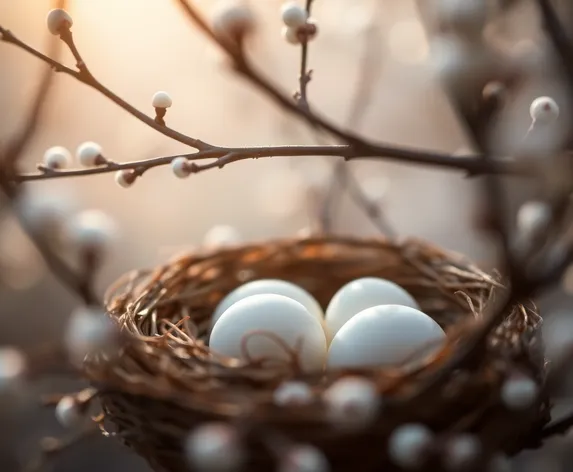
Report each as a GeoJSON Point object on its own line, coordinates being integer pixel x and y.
{"type": "Point", "coordinates": [84, 76]}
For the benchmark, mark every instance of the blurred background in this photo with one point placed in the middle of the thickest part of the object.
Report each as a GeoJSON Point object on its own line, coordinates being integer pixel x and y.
{"type": "Point", "coordinates": [137, 47]}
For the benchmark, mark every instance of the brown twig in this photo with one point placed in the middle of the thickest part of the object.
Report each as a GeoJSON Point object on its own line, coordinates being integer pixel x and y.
{"type": "Point", "coordinates": [85, 77]}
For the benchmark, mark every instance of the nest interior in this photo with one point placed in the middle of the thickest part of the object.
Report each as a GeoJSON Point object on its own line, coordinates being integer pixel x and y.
{"type": "Point", "coordinates": [165, 382]}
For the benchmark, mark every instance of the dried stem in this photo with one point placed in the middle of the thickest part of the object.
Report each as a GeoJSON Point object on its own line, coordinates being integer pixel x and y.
{"type": "Point", "coordinates": [83, 75]}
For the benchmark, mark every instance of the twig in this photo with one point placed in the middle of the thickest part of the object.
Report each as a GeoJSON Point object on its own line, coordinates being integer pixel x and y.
{"type": "Point", "coordinates": [472, 165]}
{"type": "Point", "coordinates": [356, 148]}
{"type": "Point", "coordinates": [244, 68]}
{"type": "Point", "coordinates": [84, 76]}
{"type": "Point", "coordinates": [342, 177]}
{"type": "Point", "coordinates": [52, 448]}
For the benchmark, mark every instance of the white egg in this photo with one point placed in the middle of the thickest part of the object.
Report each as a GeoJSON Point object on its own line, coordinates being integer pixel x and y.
{"type": "Point", "coordinates": [275, 286]}
{"type": "Point", "coordinates": [364, 293]}
{"type": "Point", "coordinates": [385, 335]}
{"type": "Point", "coordinates": [249, 330]}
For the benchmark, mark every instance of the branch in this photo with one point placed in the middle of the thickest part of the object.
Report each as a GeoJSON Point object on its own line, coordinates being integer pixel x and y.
{"type": "Point", "coordinates": [558, 37]}
{"type": "Point", "coordinates": [244, 68]}
{"type": "Point", "coordinates": [356, 147]}
{"type": "Point", "coordinates": [472, 165]}
{"type": "Point", "coordinates": [84, 76]}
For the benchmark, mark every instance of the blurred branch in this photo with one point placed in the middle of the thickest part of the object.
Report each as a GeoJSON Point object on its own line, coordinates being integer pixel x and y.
{"type": "Point", "coordinates": [369, 69]}
{"type": "Point", "coordinates": [9, 160]}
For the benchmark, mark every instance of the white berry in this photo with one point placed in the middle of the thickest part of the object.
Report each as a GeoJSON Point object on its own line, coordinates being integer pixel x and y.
{"type": "Point", "coordinates": [57, 20]}
{"type": "Point", "coordinates": [544, 110]}
{"type": "Point", "coordinates": [161, 100]}
{"type": "Point", "coordinates": [44, 212]}
{"type": "Point", "coordinates": [233, 20]}
{"type": "Point", "coordinates": [533, 216]}
{"type": "Point", "coordinates": [69, 414]}
{"type": "Point", "coordinates": [57, 157]}
{"type": "Point", "coordinates": [408, 444]}
{"type": "Point", "coordinates": [304, 458]}
{"type": "Point", "coordinates": [519, 392]}
{"type": "Point", "coordinates": [89, 154]}
{"type": "Point", "coordinates": [293, 15]}
{"type": "Point", "coordinates": [290, 35]}
{"type": "Point", "coordinates": [293, 393]}
{"type": "Point", "coordinates": [352, 401]}
{"type": "Point", "coordinates": [89, 330]}
{"type": "Point", "coordinates": [124, 178]}
{"type": "Point", "coordinates": [92, 229]}
{"type": "Point", "coordinates": [461, 451]}
{"type": "Point", "coordinates": [214, 447]}
{"type": "Point", "coordinates": [222, 235]}
{"type": "Point", "coordinates": [12, 367]}
{"type": "Point", "coordinates": [180, 167]}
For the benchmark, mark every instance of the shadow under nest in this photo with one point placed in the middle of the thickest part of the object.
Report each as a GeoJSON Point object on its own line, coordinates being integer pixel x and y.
{"type": "Point", "coordinates": [165, 381]}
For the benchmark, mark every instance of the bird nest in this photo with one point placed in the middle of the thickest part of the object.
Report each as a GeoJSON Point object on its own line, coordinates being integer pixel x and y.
{"type": "Point", "coordinates": [165, 382]}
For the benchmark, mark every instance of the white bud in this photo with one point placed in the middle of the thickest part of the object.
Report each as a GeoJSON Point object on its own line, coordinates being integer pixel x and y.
{"type": "Point", "coordinates": [68, 413]}
{"type": "Point", "coordinates": [293, 15]}
{"type": "Point", "coordinates": [519, 392]}
{"type": "Point", "coordinates": [57, 157]}
{"type": "Point", "coordinates": [290, 35]}
{"type": "Point", "coordinates": [233, 20]}
{"type": "Point", "coordinates": [89, 330]}
{"type": "Point", "coordinates": [214, 447]}
{"type": "Point", "coordinates": [44, 212]}
{"type": "Point", "coordinates": [161, 100]}
{"type": "Point", "coordinates": [180, 167]}
{"type": "Point", "coordinates": [461, 451]}
{"type": "Point", "coordinates": [544, 110]}
{"type": "Point", "coordinates": [12, 368]}
{"type": "Point", "coordinates": [124, 178]}
{"type": "Point", "coordinates": [304, 458]}
{"type": "Point", "coordinates": [465, 17]}
{"type": "Point", "coordinates": [375, 188]}
{"type": "Point", "coordinates": [293, 393]}
{"type": "Point", "coordinates": [92, 229]}
{"type": "Point", "coordinates": [533, 216]}
{"type": "Point", "coordinates": [57, 20]}
{"type": "Point", "coordinates": [408, 444]}
{"type": "Point", "coordinates": [352, 401]}
{"type": "Point", "coordinates": [222, 235]}
{"type": "Point", "coordinates": [89, 154]}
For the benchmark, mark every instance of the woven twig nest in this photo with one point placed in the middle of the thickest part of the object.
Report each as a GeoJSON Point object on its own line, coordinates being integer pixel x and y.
{"type": "Point", "coordinates": [165, 382]}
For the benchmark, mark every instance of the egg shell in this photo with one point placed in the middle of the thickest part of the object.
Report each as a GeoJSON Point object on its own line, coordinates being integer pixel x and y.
{"type": "Point", "coordinates": [273, 286]}
{"type": "Point", "coordinates": [385, 335]}
{"type": "Point", "coordinates": [364, 293]}
{"type": "Point", "coordinates": [262, 314]}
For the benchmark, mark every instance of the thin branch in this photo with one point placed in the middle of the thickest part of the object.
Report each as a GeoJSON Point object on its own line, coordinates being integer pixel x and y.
{"type": "Point", "coordinates": [356, 148]}
{"type": "Point", "coordinates": [84, 76]}
{"type": "Point", "coordinates": [471, 165]}
{"type": "Point", "coordinates": [244, 68]}
{"type": "Point", "coordinates": [305, 74]}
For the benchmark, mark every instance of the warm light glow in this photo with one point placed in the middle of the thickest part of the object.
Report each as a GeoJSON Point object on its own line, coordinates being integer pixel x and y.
{"type": "Point", "coordinates": [407, 42]}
